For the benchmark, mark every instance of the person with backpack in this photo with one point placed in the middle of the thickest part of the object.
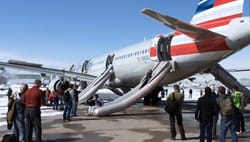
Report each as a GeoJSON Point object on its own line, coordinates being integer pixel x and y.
{"type": "Point", "coordinates": [239, 103]}
{"type": "Point", "coordinates": [179, 97]}
{"type": "Point", "coordinates": [67, 99]}
{"type": "Point", "coordinates": [226, 107]}
{"type": "Point", "coordinates": [205, 109]}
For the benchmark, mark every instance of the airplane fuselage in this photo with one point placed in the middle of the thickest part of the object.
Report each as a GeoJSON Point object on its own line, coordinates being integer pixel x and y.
{"type": "Point", "coordinates": [189, 56]}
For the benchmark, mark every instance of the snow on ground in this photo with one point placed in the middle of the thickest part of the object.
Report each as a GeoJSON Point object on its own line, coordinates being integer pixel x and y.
{"type": "Point", "coordinates": [45, 110]}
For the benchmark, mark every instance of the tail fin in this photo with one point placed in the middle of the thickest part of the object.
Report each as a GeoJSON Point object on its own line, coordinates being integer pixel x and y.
{"type": "Point", "coordinates": [214, 10]}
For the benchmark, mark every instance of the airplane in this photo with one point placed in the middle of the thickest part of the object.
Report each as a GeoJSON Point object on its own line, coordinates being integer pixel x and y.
{"type": "Point", "coordinates": [216, 31]}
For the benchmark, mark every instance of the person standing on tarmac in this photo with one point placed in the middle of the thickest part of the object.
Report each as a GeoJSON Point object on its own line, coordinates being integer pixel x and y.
{"type": "Point", "coordinates": [179, 97]}
{"type": "Point", "coordinates": [239, 103]}
{"type": "Point", "coordinates": [215, 115]}
{"type": "Point", "coordinates": [33, 100]}
{"type": "Point", "coordinates": [67, 99]}
{"type": "Point", "coordinates": [74, 95]}
{"type": "Point", "coordinates": [205, 109]}
{"type": "Point", "coordinates": [227, 111]}
{"type": "Point", "coordinates": [19, 124]}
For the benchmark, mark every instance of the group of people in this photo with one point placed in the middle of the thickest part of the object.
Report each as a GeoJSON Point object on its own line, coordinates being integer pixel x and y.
{"type": "Point", "coordinates": [24, 114]}
{"type": "Point", "coordinates": [93, 103]}
{"type": "Point", "coordinates": [70, 100]}
{"type": "Point", "coordinates": [56, 98]}
{"type": "Point", "coordinates": [230, 107]}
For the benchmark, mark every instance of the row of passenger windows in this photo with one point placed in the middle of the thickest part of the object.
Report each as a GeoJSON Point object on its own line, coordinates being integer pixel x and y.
{"type": "Point", "coordinates": [100, 62]}
{"type": "Point", "coordinates": [137, 53]}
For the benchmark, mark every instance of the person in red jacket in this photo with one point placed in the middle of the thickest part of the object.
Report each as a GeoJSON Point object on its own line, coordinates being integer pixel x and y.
{"type": "Point", "coordinates": [33, 100]}
{"type": "Point", "coordinates": [54, 98]}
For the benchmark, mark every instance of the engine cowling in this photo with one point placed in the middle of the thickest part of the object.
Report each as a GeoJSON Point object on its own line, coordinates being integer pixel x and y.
{"type": "Point", "coordinates": [53, 84]}
{"type": "Point", "coordinates": [58, 85]}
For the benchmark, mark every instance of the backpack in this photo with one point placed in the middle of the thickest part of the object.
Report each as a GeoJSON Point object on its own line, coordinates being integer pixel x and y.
{"type": "Point", "coordinates": [66, 96]}
{"type": "Point", "coordinates": [226, 106]}
{"type": "Point", "coordinates": [10, 138]}
{"type": "Point", "coordinates": [172, 105]}
{"type": "Point", "coordinates": [244, 100]}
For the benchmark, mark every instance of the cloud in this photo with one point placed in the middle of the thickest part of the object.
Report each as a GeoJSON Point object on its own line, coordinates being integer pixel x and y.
{"type": "Point", "coordinates": [5, 56]}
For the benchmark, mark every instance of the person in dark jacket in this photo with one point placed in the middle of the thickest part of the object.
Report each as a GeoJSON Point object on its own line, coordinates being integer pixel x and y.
{"type": "Point", "coordinates": [215, 115]}
{"type": "Point", "coordinates": [205, 109]}
{"type": "Point", "coordinates": [147, 78]}
{"type": "Point", "coordinates": [67, 99]}
{"type": "Point", "coordinates": [19, 124]}
{"type": "Point", "coordinates": [75, 100]}
{"type": "Point", "coordinates": [33, 100]}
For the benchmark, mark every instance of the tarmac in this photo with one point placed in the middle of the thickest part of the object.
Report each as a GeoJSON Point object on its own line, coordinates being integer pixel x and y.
{"type": "Point", "coordinates": [138, 123]}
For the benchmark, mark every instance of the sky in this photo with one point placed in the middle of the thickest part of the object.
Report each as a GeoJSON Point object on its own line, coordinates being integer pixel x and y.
{"type": "Point", "coordinates": [59, 33]}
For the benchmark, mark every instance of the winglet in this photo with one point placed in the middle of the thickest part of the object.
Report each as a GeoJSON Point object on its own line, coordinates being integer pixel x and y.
{"type": "Point", "coordinates": [193, 31]}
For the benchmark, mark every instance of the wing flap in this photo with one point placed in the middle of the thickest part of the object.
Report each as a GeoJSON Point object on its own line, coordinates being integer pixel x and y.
{"type": "Point", "coordinates": [193, 31]}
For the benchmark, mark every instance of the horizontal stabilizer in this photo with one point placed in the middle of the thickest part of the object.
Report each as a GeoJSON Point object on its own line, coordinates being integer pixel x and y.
{"type": "Point", "coordinates": [193, 31]}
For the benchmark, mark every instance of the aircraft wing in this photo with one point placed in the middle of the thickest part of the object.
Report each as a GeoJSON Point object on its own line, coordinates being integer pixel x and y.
{"type": "Point", "coordinates": [38, 68]}
{"type": "Point", "coordinates": [193, 31]}
{"type": "Point", "coordinates": [237, 70]}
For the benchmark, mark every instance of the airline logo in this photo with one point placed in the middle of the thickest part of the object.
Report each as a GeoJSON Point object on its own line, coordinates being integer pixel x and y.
{"type": "Point", "coordinates": [215, 10]}
{"type": "Point", "coordinates": [204, 5]}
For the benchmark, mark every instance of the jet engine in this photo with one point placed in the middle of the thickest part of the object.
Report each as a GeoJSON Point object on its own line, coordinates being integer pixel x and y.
{"type": "Point", "coordinates": [58, 85]}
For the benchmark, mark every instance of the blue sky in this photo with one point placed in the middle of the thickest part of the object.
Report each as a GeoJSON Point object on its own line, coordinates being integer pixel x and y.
{"type": "Point", "coordinates": [58, 33]}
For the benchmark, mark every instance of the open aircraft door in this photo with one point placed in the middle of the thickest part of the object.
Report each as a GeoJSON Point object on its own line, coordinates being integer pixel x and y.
{"type": "Point", "coordinates": [160, 48]}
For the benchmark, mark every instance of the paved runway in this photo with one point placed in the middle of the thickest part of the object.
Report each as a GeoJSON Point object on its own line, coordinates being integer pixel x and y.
{"type": "Point", "coordinates": [137, 124]}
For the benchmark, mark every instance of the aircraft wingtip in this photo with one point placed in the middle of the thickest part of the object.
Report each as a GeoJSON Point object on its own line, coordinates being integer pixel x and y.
{"type": "Point", "coordinates": [144, 10]}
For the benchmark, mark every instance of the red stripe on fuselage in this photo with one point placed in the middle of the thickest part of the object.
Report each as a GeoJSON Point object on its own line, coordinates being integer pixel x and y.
{"type": "Point", "coordinates": [199, 47]}
{"type": "Point", "coordinates": [153, 52]}
{"type": "Point", "coordinates": [230, 17]}
{"type": "Point", "coordinates": [220, 2]}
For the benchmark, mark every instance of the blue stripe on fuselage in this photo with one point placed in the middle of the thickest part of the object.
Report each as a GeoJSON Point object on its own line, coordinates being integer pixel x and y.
{"type": "Point", "coordinates": [204, 5]}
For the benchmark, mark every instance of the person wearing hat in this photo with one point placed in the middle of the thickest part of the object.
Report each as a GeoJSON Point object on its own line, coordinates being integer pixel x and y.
{"type": "Point", "coordinates": [33, 100]}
